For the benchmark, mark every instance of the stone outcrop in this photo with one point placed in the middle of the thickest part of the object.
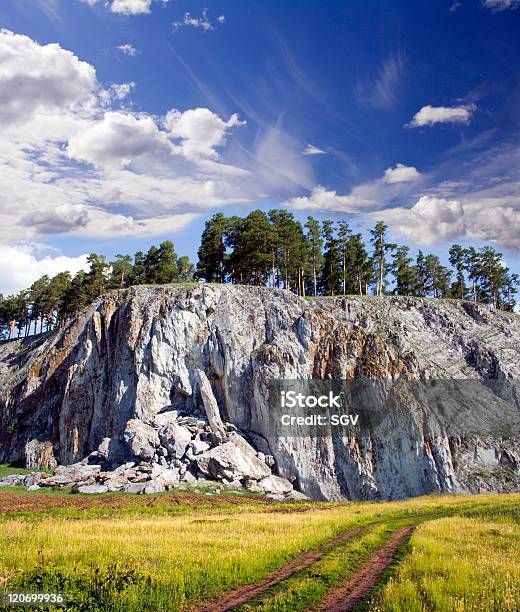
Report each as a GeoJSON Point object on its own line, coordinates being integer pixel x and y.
{"type": "Point", "coordinates": [153, 388]}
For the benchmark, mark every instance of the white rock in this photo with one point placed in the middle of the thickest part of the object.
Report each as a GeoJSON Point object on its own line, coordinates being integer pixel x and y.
{"type": "Point", "coordinates": [93, 489]}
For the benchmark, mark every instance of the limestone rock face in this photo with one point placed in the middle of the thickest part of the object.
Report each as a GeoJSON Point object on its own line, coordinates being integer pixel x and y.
{"type": "Point", "coordinates": [153, 375]}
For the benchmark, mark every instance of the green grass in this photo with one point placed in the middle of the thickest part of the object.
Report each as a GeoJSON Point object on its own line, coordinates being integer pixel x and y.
{"type": "Point", "coordinates": [460, 564]}
{"type": "Point", "coordinates": [8, 470]}
{"type": "Point", "coordinates": [167, 556]}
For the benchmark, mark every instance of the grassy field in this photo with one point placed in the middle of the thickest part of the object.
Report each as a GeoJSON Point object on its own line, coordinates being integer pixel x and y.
{"type": "Point", "coordinates": [163, 553]}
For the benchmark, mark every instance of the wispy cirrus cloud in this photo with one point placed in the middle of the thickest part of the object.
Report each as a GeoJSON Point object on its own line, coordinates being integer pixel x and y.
{"type": "Point", "coordinates": [382, 92]}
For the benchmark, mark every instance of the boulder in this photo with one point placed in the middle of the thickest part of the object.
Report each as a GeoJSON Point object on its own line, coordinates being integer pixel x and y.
{"type": "Point", "coordinates": [117, 482]}
{"type": "Point", "coordinates": [93, 489]}
{"type": "Point", "coordinates": [34, 478]}
{"type": "Point", "coordinates": [233, 460]}
{"type": "Point", "coordinates": [77, 474]}
{"type": "Point", "coordinates": [154, 486]}
{"type": "Point", "coordinates": [141, 440]}
{"type": "Point", "coordinates": [13, 480]}
{"type": "Point", "coordinates": [275, 485]}
{"type": "Point", "coordinates": [135, 487]}
{"type": "Point", "coordinates": [175, 439]}
{"type": "Point", "coordinates": [198, 446]}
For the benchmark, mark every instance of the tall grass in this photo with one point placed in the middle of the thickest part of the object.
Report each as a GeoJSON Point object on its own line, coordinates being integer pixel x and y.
{"type": "Point", "coordinates": [155, 558]}
{"type": "Point", "coordinates": [457, 564]}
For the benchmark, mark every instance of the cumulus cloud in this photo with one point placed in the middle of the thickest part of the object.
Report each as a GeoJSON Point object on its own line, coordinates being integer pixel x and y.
{"type": "Point", "coordinates": [19, 267]}
{"type": "Point", "coordinates": [199, 130]}
{"type": "Point", "coordinates": [430, 115]}
{"type": "Point", "coordinates": [128, 49]}
{"type": "Point", "coordinates": [401, 174]}
{"type": "Point", "coordinates": [313, 150]}
{"type": "Point", "coordinates": [77, 155]}
{"type": "Point", "coordinates": [501, 5]}
{"type": "Point", "coordinates": [37, 77]}
{"type": "Point", "coordinates": [321, 199]}
{"type": "Point", "coordinates": [118, 140]}
{"type": "Point", "coordinates": [430, 219]}
{"type": "Point", "coordinates": [203, 22]}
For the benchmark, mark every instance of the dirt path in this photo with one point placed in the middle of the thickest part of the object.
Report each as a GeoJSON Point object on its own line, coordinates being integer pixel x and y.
{"type": "Point", "coordinates": [247, 592]}
{"type": "Point", "coordinates": [352, 591]}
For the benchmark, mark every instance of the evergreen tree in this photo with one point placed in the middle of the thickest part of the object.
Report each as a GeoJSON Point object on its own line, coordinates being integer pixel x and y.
{"type": "Point", "coordinates": [403, 272]}
{"type": "Point", "coordinates": [315, 246]}
{"type": "Point", "coordinates": [344, 234]}
{"type": "Point", "coordinates": [121, 271]}
{"type": "Point", "coordinates": [381, 249]}
{"type": "Point", "coordinates": [458, 261]}
{"type": "Point", "coordinates": [438, 277]}
{"type": "Point", "coordinates": [421, 275]}
{"type": "Point", "coordinates": [330, 276]}
{"type": "Point", "coordinates": [360, 265]}
{"type": "Point", "coordinates": [186, 270]}
{"type": "Point", "coordinates": [211, 265]}
{"type": "Point", "coordinates": [473, 267]}
{"type": "Point", "coordinates": [494, 275]}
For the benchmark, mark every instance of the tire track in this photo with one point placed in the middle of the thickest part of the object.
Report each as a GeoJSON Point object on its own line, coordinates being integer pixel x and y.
{"type": "Point", "coordinates": [345, 597]}
{"type": "Point", "coordinates": [247, 592]}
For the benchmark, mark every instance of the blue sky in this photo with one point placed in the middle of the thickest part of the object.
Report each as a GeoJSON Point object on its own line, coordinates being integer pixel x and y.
{"type": "Point", "coordinates": [130, 121]}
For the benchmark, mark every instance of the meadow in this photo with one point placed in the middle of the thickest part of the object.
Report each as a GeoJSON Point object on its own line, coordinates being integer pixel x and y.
{"type": "Point", "coordinates": [171, 553]}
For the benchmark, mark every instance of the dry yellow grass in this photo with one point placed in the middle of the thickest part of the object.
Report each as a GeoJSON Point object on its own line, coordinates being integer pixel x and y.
{"type": "Point", "coordinates": [140, 561]}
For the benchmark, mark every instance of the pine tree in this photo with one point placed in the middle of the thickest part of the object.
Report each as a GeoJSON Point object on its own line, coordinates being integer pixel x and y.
{"type": "Point", "coordinates": [211, 265]}
{"type": "Point", "coordinates": [344, 233]}
{"type": "Point", "coordinates": [474, 269]}
{"type": "Point", "coordinates": [361, 269]}
{"type": "Point", "coordinates": [403, 272]}
{"type": "Point", "coordinates": [315, 256]}
{"type": "Point", "coordinates": [421, 275]}
{"type": "Point", "coordinates": [330, 276]}
{"type": "Point", "coordinates": [381, 249]}
{"type": "Point", "coordinates": [458, 261]}
{"type": "Point", "coordinates": [438, 277]}
{"type": "Point", "coordinates": [121, 271]}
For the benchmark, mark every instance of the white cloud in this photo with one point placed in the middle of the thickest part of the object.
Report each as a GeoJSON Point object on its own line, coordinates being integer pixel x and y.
{"type": "Point", "coordinates": [323, 200]}
{"type": "Point", "coordinates": [382, 92]}
{"type": "Point", "coordinates": [202, 22]}
{"type": "Point", "coordinates": [19, 267]}
{"type": "Point", "coordinates": [128, 49]}
{"type": "Point", "coordinates": [313, 150]}
{"type": "Point", "coordinates": [118, 140]}
{"type": "Point", "coordinates": [199, 131]}
{"type": "Point", "coordinates": [501, 5]}
{"type": "Point", "coordinates": [40, 78]}
{"type": "Point", "coordinates": [401, 174]}
{"type": "Point", "coordinates": [430, 115]}
{"type": "Point", "coordinates": [126, 7]}
{"type": "Point", "coordinates": [430, 219]}
{"type": "Point", "coordinates": [131, 7]}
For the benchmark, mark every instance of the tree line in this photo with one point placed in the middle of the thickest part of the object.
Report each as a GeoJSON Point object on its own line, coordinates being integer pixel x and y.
{"type": "Point", "coordinates": [328, 258]}
{"type": "Point", "coordinates": [271, 249]}
{"type": "Point", "coordinates": [50, 302]}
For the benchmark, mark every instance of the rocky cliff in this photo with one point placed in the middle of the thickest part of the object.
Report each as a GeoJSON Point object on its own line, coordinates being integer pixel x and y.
{"type": "Point", "coordinates": [177, 378]}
